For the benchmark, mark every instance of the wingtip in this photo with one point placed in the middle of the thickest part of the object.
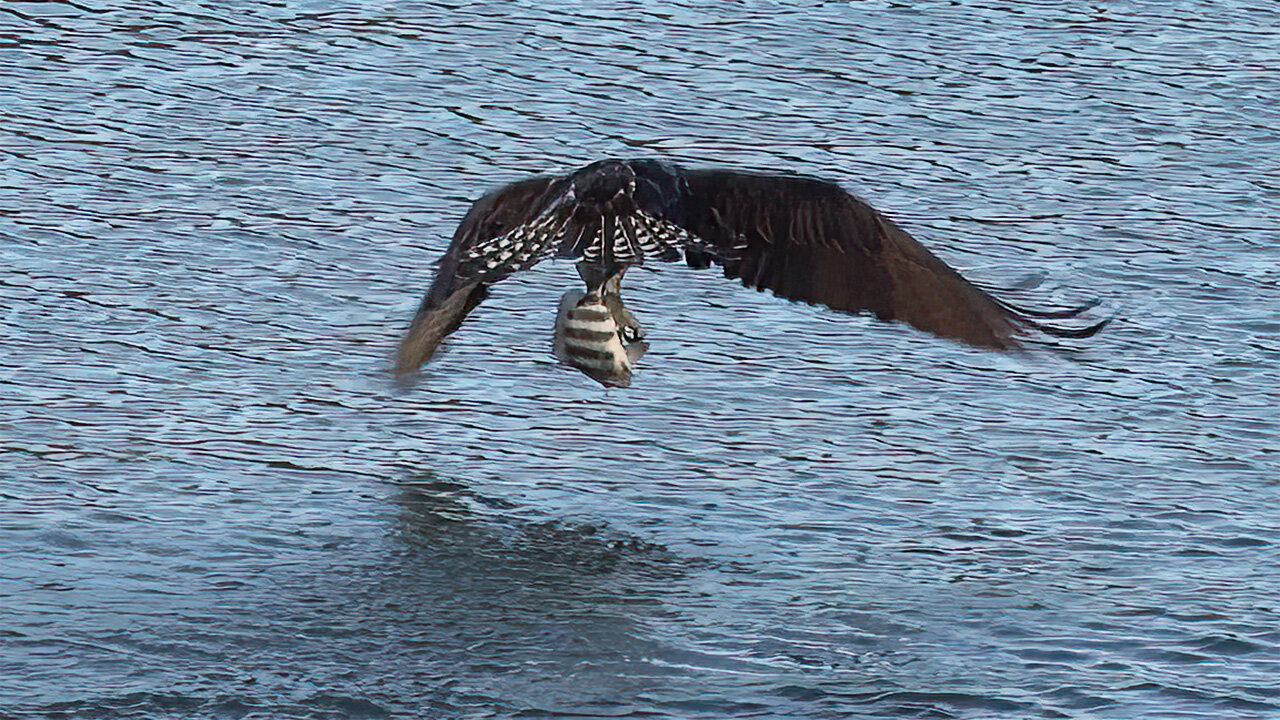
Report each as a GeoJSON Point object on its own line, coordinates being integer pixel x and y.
{"type": "Point", "coordinates": [415, 349]}
{"type": "Point", "coordinates": [1074, 333]}
{"type": "Point", "coordinates": [1030, 318]}
{"type": "Point", "coordinates": [1066, 332]}
{"type": "Point", "coordinates": [1064, 314]}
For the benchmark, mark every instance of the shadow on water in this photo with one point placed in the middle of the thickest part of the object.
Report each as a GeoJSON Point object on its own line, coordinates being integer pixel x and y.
{"type": "Point", "coordinates": [526, 613]}
{"type": "Point", "coordinates": [437, 514]}
{"type": "Point", "coordinates": [548, 618]}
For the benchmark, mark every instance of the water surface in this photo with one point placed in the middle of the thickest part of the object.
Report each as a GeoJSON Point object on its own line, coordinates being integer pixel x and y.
{"type": "Point", "coordinates": [215, 219]}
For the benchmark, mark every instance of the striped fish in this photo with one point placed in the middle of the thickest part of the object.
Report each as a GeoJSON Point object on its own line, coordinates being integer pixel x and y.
{"type": "Point", "coordinates": [597, 335]}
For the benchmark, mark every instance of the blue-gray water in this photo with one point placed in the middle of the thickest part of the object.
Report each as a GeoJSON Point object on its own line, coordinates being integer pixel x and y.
{"type": "Point", "coordinates": [216, 218]}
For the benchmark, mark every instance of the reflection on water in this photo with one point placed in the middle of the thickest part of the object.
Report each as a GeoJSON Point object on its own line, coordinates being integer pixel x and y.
{"type": "Point", "coordinates": [216, 503]}
{"type": "Point", "coordinates": [438, 514]}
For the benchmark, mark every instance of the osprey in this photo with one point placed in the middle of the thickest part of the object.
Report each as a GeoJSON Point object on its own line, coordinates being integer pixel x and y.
{"type": "Point", "coordinates": [802, 238]}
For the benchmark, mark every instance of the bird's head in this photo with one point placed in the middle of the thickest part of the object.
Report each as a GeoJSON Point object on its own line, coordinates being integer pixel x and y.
{"type": "Point", "coordinates": [605, 188]}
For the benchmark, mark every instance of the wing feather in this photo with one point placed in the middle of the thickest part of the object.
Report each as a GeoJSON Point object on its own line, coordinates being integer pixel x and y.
{"type": "Point", "coordinates": [809, 240]}
{"type": "Point", "coordinates": [461, 284]}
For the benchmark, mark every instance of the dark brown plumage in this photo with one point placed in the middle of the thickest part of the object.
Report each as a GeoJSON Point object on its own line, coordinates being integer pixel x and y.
{"type": "Point", "coordinates": [802, 238]}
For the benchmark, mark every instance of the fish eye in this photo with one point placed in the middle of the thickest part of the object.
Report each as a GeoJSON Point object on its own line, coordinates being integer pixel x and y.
{"type": "Point", "coordinates": [630, 334]}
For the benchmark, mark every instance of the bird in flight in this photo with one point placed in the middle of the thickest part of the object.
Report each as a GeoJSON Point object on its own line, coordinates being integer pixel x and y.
{"type": "Point", "coordinates": [803, 238]}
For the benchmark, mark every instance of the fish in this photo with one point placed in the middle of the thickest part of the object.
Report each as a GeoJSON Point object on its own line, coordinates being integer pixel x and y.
{"type": "Point", "coordinates": [597, 335]}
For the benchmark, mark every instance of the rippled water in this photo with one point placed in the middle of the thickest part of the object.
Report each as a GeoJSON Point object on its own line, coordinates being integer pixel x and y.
{"type": "Point", "coordinates": [215, 220]}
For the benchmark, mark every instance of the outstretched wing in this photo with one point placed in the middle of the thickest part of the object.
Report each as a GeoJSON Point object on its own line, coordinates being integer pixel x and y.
{"type": "Point", "coordinates": [483, 251]}
{"type": "Point", "coordinates": [807, 239]}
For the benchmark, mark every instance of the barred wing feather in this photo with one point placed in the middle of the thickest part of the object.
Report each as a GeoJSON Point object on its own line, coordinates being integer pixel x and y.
{"type": "Point", "coordinates": [463, 275]}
